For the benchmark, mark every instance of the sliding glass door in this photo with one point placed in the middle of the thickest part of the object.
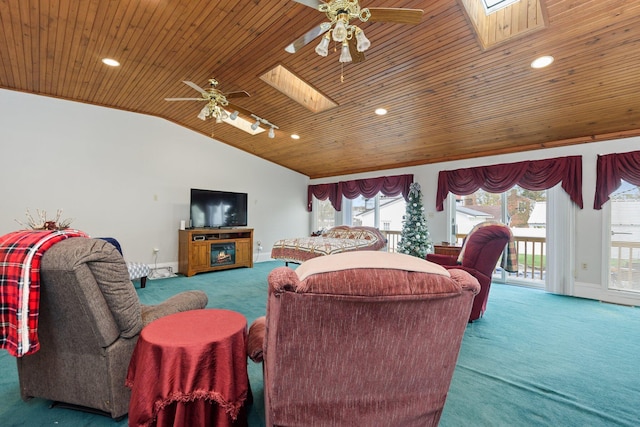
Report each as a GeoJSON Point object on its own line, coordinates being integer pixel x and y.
{"type": "Point", "coordinates": [624, 259]}
{"type": "Point", "coordinates": [525, 212]}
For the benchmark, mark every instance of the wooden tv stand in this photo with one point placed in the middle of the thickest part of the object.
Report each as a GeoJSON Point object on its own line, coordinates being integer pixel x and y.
{"type": "Point", "coordinates": [209, 249]}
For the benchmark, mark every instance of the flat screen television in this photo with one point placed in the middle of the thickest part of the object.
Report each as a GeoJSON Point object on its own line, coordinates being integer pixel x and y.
{"type": "Point", "coordinates": [217, 209]}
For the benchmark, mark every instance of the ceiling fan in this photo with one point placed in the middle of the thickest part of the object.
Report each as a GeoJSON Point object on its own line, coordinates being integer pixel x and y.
{"type": "Point", "coordinates": [216, 101]}
{"type": "Point", "coordinates": [340, 13]}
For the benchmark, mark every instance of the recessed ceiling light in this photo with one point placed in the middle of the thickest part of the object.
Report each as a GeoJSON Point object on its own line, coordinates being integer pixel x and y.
{"type": "Point", "coordinates": [542, 62]}
{"type": "Point", "coordinates": [111, 62]}
{"type": "Point", "coordinates": [295, 136]}
{"type": "Point", "coordinates": [381, 111]}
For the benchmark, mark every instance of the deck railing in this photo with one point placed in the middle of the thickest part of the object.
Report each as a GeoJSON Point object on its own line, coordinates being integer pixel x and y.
{"type": "Point", "coordinates": [625, 265]}
{"type": "Point", "coordinates": [531, 253]}
{"type": "Point", "coordinates": [393, 237]}
{"type": "Point", "coordinates": [532, 258]}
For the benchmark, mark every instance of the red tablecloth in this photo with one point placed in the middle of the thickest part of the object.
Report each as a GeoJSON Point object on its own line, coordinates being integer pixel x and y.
{"type": "Point", "coordinates": [190, 369]}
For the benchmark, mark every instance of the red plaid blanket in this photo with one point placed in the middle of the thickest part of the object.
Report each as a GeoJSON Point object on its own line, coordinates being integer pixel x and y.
{"type": "Point", "coordinates": [20, 255]}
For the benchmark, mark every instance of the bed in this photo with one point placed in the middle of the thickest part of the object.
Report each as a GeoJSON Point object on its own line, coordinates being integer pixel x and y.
{"type": "Point", "coordinates": [338, 239]}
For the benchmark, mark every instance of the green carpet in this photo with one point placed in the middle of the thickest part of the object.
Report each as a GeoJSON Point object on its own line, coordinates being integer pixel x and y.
{"type": "Point", "coordinates": [535, 359]}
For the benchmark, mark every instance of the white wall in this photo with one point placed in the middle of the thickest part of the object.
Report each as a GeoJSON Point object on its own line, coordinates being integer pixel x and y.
{"type": "Point", "coordinates": [128, 175]}
{"type": "Point", "coordinates": [589, 222]}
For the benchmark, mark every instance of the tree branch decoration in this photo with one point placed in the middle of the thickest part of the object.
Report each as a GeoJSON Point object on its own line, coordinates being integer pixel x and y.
{"type": "Point", "coordinates": [42, 223]}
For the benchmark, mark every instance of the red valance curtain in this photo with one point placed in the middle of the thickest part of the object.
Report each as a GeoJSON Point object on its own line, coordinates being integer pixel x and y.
{"type": "Point", "coordinates": [387, 185]}
{"type": "Point", "coordinates": [323, 192]}
{"type": "Point", "coordinates": [533, 175]}
{"type": "Point", "coordinates": [611, 170]}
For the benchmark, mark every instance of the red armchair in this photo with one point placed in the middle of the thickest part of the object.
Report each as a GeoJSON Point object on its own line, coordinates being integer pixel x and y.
{"type": "Point", "coordinates": [481, 251]}
{"type": "Point", "coordinates": [361, 338]}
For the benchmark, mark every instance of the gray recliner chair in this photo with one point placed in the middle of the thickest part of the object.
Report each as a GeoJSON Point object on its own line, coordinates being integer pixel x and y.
{"type": "Point", "coordinates": [89, 321]}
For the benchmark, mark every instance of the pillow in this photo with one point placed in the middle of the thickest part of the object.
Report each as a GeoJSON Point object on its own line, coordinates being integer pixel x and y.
{"type": "Point", "coordinates": [367, 259]}
{"type": "Point", "coordinates": [360, 232]}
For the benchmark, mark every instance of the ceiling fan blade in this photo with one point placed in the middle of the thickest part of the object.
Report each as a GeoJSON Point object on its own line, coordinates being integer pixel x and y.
{"type": "Point", "coordinates": [399, 16]}
{"type": "Point", "coordinates": [232, 107]}
{"type": "Point", "coordinates": [185, 99]}
{"type": "Point", "coordinates": [195, 86]}
{"type": "Point", "coordinates": [239, 94]}
{"type": "Point", "coordinates": [311, 3]}
{"type": "Point", "coordinates": [356, 56]}
{"type": "Point", "coordinates": [305, 39]}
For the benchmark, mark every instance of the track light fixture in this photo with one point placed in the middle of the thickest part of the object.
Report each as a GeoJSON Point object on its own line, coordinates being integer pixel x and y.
{"type": "Point", "coordinates": [260, 120]}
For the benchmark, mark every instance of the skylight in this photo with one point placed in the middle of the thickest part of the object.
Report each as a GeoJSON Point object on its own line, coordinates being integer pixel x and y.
{"type": "Point", "coordinates": [297, 89]}
{"type": "Point", "coordinates": [491, 6]}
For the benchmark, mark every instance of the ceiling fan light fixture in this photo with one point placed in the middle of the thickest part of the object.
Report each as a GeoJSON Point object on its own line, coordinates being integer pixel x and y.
{"type": "Point", "coordinates": [323, 47]}
{"type": "Point", "coordinates": [204, 113]}
{"type": "Point", "coordinates": [345, 55]}
{"type": "Point", "coordinates": [363, 42]}
{"type": "Point", "coordinates": [340, 30]}
{"type": "Point", "coordinates": [219, 113]}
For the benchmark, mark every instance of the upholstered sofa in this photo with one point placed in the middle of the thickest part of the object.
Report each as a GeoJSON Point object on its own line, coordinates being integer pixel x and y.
{"type": "Point", "coordinates": [89, 320]}
{"type": "Point", "coordinates": [342, 238]}
{"type": "Point", "coordinates": [361, 338]}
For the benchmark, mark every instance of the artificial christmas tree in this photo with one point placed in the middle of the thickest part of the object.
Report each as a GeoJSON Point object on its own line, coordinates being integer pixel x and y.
{"type": "Point", "coordinates": [414, 239]}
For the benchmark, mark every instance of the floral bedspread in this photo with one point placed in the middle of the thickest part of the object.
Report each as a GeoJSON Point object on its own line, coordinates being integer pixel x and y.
{"type": "Point", "coordinates": [338, 239]}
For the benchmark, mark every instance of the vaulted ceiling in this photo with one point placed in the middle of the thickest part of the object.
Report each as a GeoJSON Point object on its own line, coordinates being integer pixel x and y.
{"type": "Point", "coordinates": [449, 95]}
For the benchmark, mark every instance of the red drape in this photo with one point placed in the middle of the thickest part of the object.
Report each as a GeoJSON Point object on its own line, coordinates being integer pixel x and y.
{"type": "Point", "coordinates": [387, 185]}
{"type": "Point", "coordinates": [611, 170]}
{"type": "Point", "coordinates": [323, 192]}
{"type": "Point", "coordinates": [533, 175]}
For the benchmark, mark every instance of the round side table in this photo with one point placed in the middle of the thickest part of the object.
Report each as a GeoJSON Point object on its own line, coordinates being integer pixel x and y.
{"type": "Point", "coordinates": [190, 369]}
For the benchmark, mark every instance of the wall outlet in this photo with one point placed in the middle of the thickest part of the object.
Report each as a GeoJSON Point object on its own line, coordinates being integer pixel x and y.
{"type": "Point", "coordinates": [585, 266]}
{"type": "Point", "coordinates": [259, 243]}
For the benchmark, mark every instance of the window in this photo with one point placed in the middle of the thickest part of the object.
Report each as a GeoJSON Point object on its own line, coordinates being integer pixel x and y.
{"type": "Point", "coordinates": [382, 212]}
{"type": "Point", "coordinates": [325, 215]}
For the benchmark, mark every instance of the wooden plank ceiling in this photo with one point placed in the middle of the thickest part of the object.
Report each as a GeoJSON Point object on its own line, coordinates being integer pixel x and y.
{"type": "Point", "coordinates": [448, 98]}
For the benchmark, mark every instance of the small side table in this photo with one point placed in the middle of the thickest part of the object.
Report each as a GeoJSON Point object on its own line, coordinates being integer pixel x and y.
{"type": "Point", "coordinates": [447, 250]}
{"type": "Point", "coordinates": [190, 369]}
